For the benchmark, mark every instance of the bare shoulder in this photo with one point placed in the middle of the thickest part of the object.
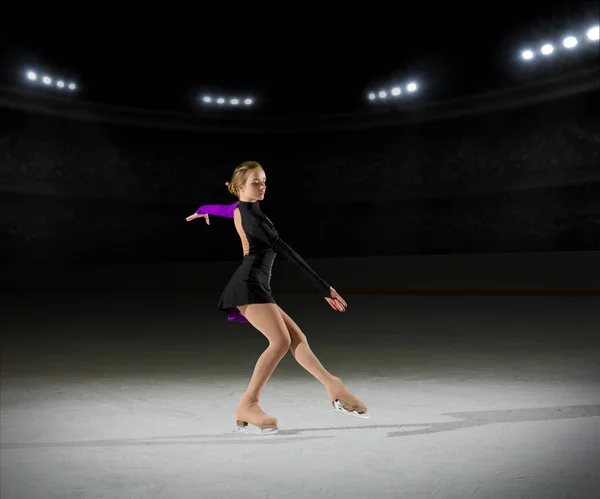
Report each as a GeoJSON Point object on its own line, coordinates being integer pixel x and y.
{"type": "Point", "coordinates": [237, 216]}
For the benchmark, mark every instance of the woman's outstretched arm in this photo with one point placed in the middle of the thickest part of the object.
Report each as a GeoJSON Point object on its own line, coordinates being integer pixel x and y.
{"type": "Point", "coordinates": [220, 210]}
{"type": "Point", "coordinates": [269, 236]}
{"type": "Point", "coordinates": [284, 249]}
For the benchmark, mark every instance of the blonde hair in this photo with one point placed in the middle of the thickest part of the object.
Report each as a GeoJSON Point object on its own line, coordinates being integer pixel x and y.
{"type": "Point", "coordinates": [240, 175]}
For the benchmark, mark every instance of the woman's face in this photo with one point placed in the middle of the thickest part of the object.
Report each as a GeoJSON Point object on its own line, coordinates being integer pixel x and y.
{"type": "Point", "coordinates": [255, 186]}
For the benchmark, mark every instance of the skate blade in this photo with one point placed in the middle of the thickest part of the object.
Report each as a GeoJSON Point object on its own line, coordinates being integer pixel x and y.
{"type": "Point", "coordinates": [338, 406]}
{"type": "Point", "coordinates": [255, 430]}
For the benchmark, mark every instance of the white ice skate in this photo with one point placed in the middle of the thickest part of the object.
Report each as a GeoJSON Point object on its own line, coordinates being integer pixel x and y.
{"type": "Point", "coordinates": [341, 406]}
{"type": "Point", "coordinates": [343, 401]}
{"type": "Point", "coordinates": [244, 427]}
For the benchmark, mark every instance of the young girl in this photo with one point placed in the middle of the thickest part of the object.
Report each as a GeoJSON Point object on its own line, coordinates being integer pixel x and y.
{"type": "Point", "coordinates": [247, 298]}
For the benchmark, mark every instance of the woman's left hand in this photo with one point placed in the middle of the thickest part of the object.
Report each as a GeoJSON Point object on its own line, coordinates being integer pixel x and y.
{"type": "Point", "coordinates": [336, 301]}
{"type": "Point", "coordinates": [196, 215]}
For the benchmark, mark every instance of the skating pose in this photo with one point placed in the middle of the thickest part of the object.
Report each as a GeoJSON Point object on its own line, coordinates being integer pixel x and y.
{"type": "Point", "coordinates": [247, 298]}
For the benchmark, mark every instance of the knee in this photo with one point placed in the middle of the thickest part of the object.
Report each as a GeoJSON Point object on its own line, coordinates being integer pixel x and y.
{"type": "Point", "coordinates": [282, 344]}
{"type": "Point", "coordinates": [298, 339]}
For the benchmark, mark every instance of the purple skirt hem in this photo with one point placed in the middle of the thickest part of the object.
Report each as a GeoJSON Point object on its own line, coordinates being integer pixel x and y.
{"type": "Point", "coordinates": [235, 315]}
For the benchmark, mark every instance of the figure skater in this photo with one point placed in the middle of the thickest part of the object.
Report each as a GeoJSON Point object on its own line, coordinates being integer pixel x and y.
{"type": "Point", "coordinates": [247, 298]}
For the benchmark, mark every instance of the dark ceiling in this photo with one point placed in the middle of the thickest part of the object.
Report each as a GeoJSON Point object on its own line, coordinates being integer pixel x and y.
{"type": "Point", "coordinates": [450, 51]}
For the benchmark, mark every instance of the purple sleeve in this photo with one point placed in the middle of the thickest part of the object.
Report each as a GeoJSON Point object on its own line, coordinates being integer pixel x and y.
{"type": "Point", "coordinates": [220, 210]}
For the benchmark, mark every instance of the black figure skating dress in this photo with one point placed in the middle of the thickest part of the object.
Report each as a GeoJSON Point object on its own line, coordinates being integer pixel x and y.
{"type": "Point", "coordinates": [251, 282]}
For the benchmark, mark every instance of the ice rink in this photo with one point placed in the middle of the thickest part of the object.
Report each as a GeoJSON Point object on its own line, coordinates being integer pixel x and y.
{"type": "Point", "coordinates": [133, 395]}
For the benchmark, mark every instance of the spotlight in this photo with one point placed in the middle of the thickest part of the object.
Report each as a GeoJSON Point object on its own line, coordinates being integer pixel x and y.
{"type": "Point", "coordinates": [206, 98]}
{"type": "Point", "coordinates": [248, 102]}
{"type": "Point", "coordinates": [235, 102]}
{"type": "Point", "coordinates": [72, 86]}
{"type": "Point", "coordinates": [60, 84]}
{"type": "Point", "coordinates": [47, 80]}
{"type": "Point", "coordinates": [593, 33]}
{"type": "Point", "coordinates": [547, 49]}
{"type": "Point", "coordinates": [411, 87]}
{"type": "Point", "coordinates": [527, 54]}
{"type": "Point", "coordinates": [382, 94]}
{"type": "Point", "coordinates": [570, 42]}
{"type": "Point", "coordinates": [396, 91]}
{"type": "Point", "coordinates": [32, 76]}
{"type": "Point", "coordinates": [220, 100]}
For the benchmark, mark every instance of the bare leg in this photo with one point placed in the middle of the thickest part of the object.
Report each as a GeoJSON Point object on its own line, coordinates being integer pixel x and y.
{"type": "Point", "coordinates": [307, 359]}
{"type": "Point", "coordinates": [283, 335]}
{"type": "Point", "coordinates": [303, 354]}
{"type": "Point", "coordinates": [266, 318]}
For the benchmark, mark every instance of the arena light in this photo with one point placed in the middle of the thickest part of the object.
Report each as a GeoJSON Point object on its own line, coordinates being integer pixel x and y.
{"type": "Point", "coordinates": [547, 49]}
{"type": "Point", "coordinates": [222, 100]}
{"type": "Point", "coordinates": [394, 93]}
{"type": "Point", "coordinates": [527, 54]}
{"type": "Point", "coordinates": [568, 43]}
{"type": "Point", "coordinates": [48, 80]}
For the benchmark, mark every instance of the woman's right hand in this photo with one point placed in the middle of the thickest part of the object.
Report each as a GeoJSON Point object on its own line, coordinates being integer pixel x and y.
{"type": "Point", "coordinates": [336, 301]}
{"type": "Point", "coordinates": [197, 215]}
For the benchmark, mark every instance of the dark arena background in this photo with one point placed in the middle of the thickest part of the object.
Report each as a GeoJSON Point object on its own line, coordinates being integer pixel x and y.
{"type": "Point", "coordinates": [447, 186]}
